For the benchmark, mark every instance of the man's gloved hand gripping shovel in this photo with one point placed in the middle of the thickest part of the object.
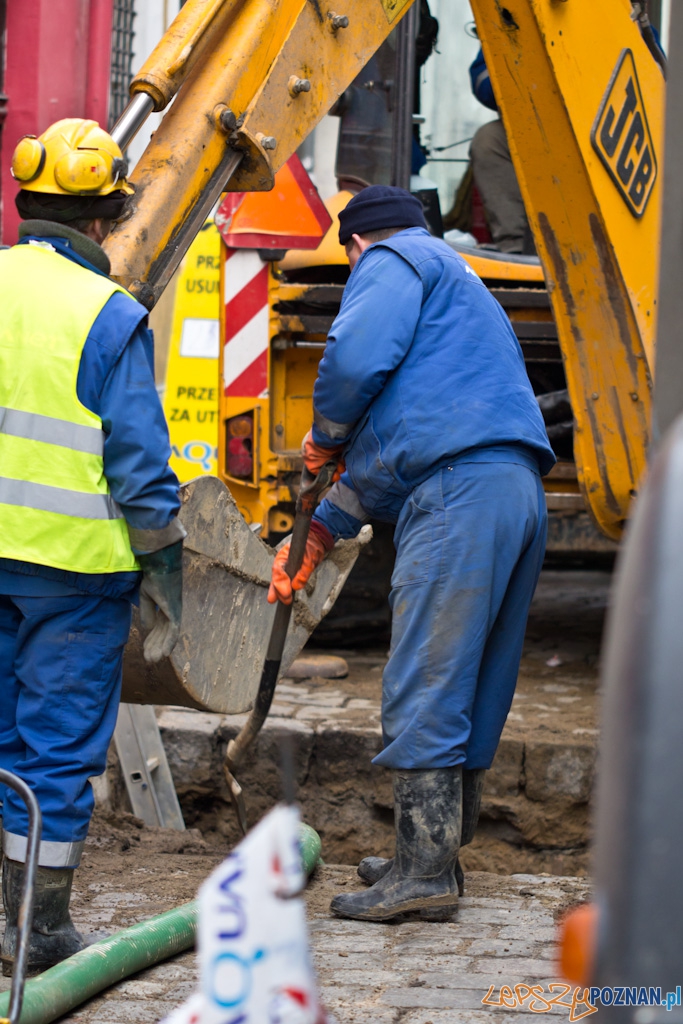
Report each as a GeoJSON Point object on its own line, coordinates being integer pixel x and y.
{"type": "Point", "coordinates": [307, 502]}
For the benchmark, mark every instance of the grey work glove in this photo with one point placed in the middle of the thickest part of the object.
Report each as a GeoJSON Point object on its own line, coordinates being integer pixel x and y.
{"type": "Point", "coordinates": [161, 600]}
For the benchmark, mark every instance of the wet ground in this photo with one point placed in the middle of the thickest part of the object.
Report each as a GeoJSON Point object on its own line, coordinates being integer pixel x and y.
{"type": "Point", "coordinates": [411, 972]}
{"type": "Point", "coordinates": [534, 831]}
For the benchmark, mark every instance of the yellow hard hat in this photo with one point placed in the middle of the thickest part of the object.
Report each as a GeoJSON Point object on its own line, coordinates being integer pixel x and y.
{"type": "Point", "coordinates": [72, 157]}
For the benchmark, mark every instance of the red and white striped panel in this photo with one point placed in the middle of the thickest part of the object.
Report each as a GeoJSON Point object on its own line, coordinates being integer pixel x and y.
{"type": "Point", "coordinates": [245, 360]}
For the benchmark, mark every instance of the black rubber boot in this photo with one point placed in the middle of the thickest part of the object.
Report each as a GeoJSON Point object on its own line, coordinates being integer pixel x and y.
{"type": "Point", "coordinates": [53, 935]}
{"type": "Point", "coordinates": [428, 816]}
{"type": "Point", "coordinates": [472, 789]}
{"type": "Point", "coordinates": [371, 869]}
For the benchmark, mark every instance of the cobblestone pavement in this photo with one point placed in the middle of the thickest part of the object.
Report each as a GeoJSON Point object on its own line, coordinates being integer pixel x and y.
{"type": "Point", "coordinates": [413, 972]}
{"type": "Point", "coordinates": [421, 973]}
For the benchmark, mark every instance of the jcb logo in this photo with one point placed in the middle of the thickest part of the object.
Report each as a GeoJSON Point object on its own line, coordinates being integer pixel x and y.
{"type": "Point", "coordinates": [621, 137]}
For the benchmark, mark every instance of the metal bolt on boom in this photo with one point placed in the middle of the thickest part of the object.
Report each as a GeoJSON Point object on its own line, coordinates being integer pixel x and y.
{"type": "Point", "coordinates": [226, 119]}
{"type": "Point", "coordinates": [338, 21]}
{"type": "Point", "coordinates": [298, 85]}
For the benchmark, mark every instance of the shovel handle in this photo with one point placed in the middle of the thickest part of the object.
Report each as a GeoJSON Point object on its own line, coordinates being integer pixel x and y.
{"type": "Point", "coordinates": [311, 488]}
{"type": "Point", "coordinates": [306, 504]}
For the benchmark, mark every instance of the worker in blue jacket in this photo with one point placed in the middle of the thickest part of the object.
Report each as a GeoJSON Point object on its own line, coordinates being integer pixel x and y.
{"type": "Point", "coordinates": [423, 398]}
{"type": "Point", "coordinates": [88, 508]}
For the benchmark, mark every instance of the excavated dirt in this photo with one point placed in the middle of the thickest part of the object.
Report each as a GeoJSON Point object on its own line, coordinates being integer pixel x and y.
{"type": "Point", "coordinates": [536, 810]}
{"type": "Point", "coordinates": [162, 867]}
{"type": "Point", "coordinates": [130, 873]}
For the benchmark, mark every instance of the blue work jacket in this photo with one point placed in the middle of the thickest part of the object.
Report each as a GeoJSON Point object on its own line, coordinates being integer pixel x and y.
{"type": "Point", "coordinates": [422, 367]}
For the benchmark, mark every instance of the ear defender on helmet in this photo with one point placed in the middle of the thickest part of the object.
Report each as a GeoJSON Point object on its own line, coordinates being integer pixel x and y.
{"type": "Point", "coordinates": [28, 159]}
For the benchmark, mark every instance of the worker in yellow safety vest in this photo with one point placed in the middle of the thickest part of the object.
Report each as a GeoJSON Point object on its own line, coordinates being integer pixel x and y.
{"type": "Point", "coordinates": [88, 508]}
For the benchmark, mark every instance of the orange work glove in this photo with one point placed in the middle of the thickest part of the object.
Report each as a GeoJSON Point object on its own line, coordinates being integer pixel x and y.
{"type": "Point", "coordinates": [315, 456]}
{"type": "Point", "coordinates": [319, 542]}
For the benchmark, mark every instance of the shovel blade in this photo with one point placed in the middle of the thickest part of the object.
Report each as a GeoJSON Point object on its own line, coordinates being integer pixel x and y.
{"type": "Point", "coordinates": [216, 664]}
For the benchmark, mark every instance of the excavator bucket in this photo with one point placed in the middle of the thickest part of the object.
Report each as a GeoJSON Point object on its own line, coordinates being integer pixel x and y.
{"type": "Point", "coordinates": [216, 664]}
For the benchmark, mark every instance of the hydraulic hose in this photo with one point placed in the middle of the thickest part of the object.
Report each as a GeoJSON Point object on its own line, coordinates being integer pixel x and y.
{"type": "Point", "coordinates": [98, 967]}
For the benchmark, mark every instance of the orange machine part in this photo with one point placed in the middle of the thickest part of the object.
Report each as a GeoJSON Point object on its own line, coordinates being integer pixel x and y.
{"type": "Point", "coordinates": [578, 943]}
{"type": "Point", "coordinates": [291, 216]}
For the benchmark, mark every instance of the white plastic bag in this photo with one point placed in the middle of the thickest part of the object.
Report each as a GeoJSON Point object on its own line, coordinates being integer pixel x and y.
{"type": "Point", "coordinates": [254, 961]}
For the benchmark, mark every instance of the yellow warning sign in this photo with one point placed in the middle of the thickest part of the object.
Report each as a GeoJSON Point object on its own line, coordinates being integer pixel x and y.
{"type": "Point", "coordinates": [392, 8]}
{"type": "Point", "coordinates": [191, 396]}
{"type": "Point", "coordinates": [621, 137]}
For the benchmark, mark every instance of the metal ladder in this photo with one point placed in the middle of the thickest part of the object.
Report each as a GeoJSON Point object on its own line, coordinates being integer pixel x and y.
{"type": "Point", "coordinates": [148, 779]}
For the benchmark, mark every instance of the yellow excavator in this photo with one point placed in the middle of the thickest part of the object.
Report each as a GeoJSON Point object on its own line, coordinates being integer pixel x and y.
{"type": "Point", "coordinates": [582, 108]}
{"type": "Point", "coordinates": [581, 99]}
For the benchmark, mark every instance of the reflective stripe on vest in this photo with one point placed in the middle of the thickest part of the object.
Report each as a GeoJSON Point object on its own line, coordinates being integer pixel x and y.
{"type": "Point", "coordinates": [55, 505]}
{"type": "Point", "coordinates": [35, 427]}
{"type": "Point", "coordinates": [58, 499]}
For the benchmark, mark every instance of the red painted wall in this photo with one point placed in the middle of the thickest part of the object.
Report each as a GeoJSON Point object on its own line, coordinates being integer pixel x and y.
{"type": "Point", "coordinates": [58, 55]}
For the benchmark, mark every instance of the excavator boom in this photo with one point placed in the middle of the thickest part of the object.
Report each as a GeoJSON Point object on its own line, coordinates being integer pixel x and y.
{"type": "Point", "coordinates": [253, 78]}
{"type": "Point", "coordinates": [581, 98]}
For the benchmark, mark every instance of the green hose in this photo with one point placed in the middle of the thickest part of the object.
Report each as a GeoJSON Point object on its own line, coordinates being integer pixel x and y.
{"type": "Point", "coordinates": [98, 967]}
{"type": "Point", "coordinates": [310, 845]}
{"type": "Point", "coordinates": [82, 976]}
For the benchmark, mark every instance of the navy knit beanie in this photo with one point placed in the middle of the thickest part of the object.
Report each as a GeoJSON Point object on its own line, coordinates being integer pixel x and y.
{"type": "Point", "coordinates": [380, 206]}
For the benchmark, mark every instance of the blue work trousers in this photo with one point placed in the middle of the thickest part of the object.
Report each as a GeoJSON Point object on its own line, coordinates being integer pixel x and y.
{"type": "Point", "coordinates": [60, 684]}
{"type": "Point", "coordinates": [470, 543]}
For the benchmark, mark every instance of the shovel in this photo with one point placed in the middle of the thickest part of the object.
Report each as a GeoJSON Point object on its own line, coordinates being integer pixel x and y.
{"type": "Point", "coordinates": [307, 502]}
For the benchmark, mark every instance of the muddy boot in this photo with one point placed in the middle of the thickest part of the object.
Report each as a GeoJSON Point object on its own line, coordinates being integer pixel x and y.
{"type": "Point", "coordinates": [472, 789]}
{"type": "Point", "coordinates": [371, 869]}
{"type": "Point", "coordinates": [53, 936]}
{"type": "Point", "coordinates": [428, 815]}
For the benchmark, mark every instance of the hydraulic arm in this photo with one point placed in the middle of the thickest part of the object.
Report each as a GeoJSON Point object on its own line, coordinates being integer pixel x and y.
{"type": "Point", "coordinates": [581, 97]}
{"type": "Point", "coordinates": [252, 78]}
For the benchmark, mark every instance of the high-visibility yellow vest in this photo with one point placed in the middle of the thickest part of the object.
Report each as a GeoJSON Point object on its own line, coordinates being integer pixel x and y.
{"type": "Point", "coordinates": [55, 504]}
